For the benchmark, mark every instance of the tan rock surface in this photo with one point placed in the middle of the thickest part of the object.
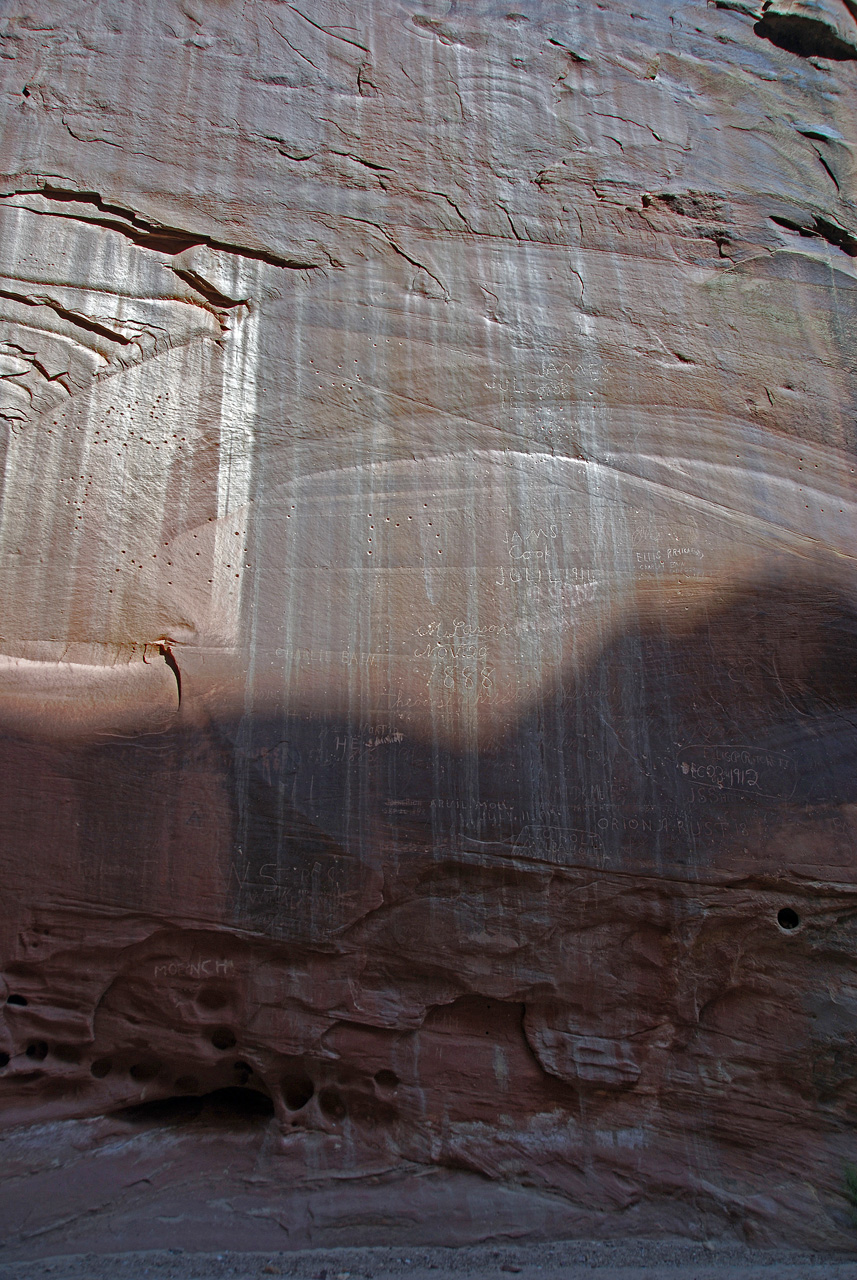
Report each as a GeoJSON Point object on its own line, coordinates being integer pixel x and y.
{"type": "Point", "coordinates": [428, 603]}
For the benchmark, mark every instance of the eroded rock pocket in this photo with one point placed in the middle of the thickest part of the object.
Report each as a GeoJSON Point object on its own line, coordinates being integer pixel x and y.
{"type": "Point", "coordinates": [233, 1107]}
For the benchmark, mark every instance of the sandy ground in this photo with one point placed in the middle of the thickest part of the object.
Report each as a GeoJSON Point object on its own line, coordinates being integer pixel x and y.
{"type": "Point", "coordinates": [622, 1260]}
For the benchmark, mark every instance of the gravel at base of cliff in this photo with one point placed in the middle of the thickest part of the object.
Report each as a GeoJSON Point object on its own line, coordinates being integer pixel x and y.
{"type": "Point", "coordinates": [572, 1260]}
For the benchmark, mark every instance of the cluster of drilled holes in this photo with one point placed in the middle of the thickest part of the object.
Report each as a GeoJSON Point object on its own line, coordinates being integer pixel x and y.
{"type": "Point", "coordinates": [154, 555]}
{"type": "Point", "coordinates": [387, 520]}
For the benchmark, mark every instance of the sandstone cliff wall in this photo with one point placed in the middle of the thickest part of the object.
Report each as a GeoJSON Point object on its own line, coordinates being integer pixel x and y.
{"type": "Point", "coordinates": [428, 608]}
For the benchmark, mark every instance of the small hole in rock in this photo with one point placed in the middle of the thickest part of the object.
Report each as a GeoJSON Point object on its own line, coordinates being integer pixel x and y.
{"type": "Point", "coordinates": [38, 1050]}
{"type": "Point", "coordinates": [788, 918]}
{"type": "Point", "coordinates": [144, 1070]}
{"type": "Point", "coordinates": [386, 1080]}
{"type": "Point", "coordinates": [223, 1038]}
{"type": "Point", "coordinates": [101, 1068]}
{"type": "Point", "coordinates": [297, 1091]}
{"type": "Point", "coordinates": [15, 999]}
{"type": "Point", "coordinates": [332, 1104]}
{"type": "Point", "coordinates": [4, 1059]}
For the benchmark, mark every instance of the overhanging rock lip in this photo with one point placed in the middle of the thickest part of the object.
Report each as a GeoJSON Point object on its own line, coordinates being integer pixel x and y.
{"type": "Point", "coordinates": [62, 700]}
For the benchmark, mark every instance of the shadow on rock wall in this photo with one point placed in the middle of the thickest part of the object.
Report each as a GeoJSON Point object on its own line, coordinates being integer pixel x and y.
{"type": "Point", "coordinates": [618, 929]}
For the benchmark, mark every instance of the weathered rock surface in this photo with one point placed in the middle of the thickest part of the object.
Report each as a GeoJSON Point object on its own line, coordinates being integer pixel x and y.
{"type": "Point", "coordinates": [428, 600]}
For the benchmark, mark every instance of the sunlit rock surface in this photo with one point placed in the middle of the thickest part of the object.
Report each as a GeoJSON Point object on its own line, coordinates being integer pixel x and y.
{"type": "Point", "coordinates": [428, 605]}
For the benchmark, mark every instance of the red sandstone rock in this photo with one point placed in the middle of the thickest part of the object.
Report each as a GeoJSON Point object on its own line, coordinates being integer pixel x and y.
{"type": "Point", "coordinates": [429, 608]}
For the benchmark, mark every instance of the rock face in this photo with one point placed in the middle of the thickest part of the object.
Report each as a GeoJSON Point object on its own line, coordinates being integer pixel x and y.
{"type": "Point", "coordinates": [428, 601]}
